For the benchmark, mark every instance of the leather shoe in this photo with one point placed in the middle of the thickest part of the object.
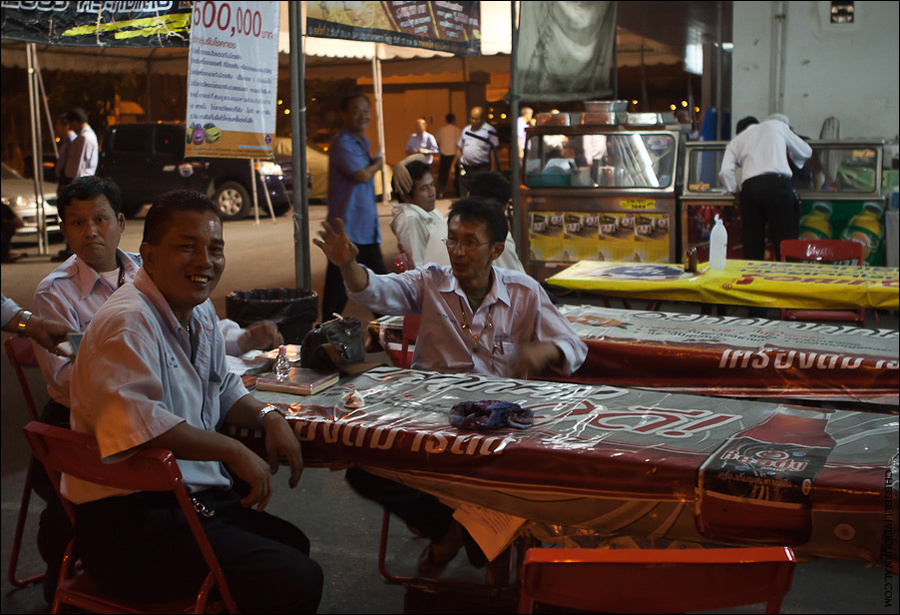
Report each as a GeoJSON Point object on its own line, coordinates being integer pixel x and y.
{"type": "Point", "coordinates": [434, 559]}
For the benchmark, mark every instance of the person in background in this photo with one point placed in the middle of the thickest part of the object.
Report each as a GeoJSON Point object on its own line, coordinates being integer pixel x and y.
{"type": "Point", "coordinates": [476, 319]}
{"type": "Point", "coordinates": [766, 194]}
{"type": "Point", "coordinates": [92, 222]}
{"type": "Point", "coordinates": [82, 157]}
{"type": "Point", "coordinates": [351, 197]}
{"type": "Point", "coordinates": [65, 135]}
{"type": "Point", "coordinates": [11, 223]}
{"type": "Point", "coordinates": [415, 216]}
{"type": "Point", "coordinates": [490, 185]}
{"type": "Point", "coordinates": [46, 332]}
{"type": "Point", "coordinates": [422, 142]}
{"type": "Point", "coordinates": [447, 138]}
{"type": "Point", "coordinates": [151, 372]}
{"type": "Point", "coordinates": [477, 144]}
{"type": "Point", "coordinates": [526, 115]}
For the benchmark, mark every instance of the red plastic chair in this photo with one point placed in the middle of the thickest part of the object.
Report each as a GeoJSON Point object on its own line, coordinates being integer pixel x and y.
{"type": "Point", "coordinates": [410, 333]}
{"type": "Point", "coordinates": [20, 353]}
{"type": "Point", "coordinates": [656, 580]}
{"type": "Point", "coordinates": [831, 251]}
{"type": "Point", "coordinates": [76, 454]}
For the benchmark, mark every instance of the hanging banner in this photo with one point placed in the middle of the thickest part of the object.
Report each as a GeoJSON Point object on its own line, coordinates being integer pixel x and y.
{"type": "Point", "coordinates": [98, 24]}
{"type": "Point", "coordinates": [232, 80]}
{"type": "Point", "coordinates": [565, 50]}
{"type": "Point", "coordinates": [454, 27]}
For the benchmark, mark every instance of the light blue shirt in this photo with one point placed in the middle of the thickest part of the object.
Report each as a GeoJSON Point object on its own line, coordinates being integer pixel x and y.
{"type": "Point", "coordinates": [72, 293]}
{"type": "Point", "coordinates": [352, 201]}
{"type": "Point", "coordinates": [135, 378]}
{"type": "Point", "coordinates": [427, 141]}
{"type": "Point", "coordinates": [517, 308]}
{"type": "Point", "coordinates": [10, 309]}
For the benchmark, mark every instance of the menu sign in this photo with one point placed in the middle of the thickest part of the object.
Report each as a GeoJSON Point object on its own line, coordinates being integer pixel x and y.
{"type": "Point", "coordinates": [454, 27]}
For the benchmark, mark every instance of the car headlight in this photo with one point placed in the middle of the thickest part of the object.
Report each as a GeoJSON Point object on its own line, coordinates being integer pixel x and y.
{"type": "Point", "coordinates": [22, 201]}
{"type": "Point", "coordinates": [269, 168]}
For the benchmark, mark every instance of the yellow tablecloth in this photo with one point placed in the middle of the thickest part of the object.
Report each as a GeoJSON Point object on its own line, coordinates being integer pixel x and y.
{"type": "Point", "coordinates": [752, 283]}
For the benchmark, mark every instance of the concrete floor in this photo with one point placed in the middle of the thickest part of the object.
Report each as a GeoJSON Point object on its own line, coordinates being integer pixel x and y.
{"type": "Point", "coordinates": [343, 527]}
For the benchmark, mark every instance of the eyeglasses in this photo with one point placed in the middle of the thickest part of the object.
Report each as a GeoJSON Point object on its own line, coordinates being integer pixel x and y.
{"type": "Point", "coordinates": [466, 245]}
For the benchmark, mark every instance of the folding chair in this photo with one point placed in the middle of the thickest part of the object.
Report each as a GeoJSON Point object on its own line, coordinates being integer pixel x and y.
{"type": "Point", "coordinates": [656, 580]}
{"type": "Point", "coordinates": [20, 353]}
{"type": "Point", "coordinates": [831, 251]}
{"type": "Point", "coordinates": [76, 454]}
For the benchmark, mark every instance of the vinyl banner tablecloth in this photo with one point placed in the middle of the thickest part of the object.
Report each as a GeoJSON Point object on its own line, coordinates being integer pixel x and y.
{"type": "Point", "coordinates": [623, 462]}
{"type": "Point", "coordinates": [751, 283]}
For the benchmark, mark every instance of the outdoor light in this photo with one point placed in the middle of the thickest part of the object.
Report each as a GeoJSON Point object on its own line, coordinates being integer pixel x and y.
{"type": "Point", "coordinates": [842, 12]}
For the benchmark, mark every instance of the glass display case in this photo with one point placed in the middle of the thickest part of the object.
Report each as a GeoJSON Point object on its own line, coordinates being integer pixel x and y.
{"type": "Point", "coordinates": [839, 190]}
{"type": "Point", "coordinates": [598, 192]}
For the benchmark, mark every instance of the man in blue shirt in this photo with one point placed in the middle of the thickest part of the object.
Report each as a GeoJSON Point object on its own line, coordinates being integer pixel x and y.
{"type": "Point", "coordinates": [351, 197]}
{"type": "Point", "coordinates": [422, 142]}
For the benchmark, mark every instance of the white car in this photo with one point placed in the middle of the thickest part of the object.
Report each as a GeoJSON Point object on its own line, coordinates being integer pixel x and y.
{"type": "Point", "coordinates": [18, 193]}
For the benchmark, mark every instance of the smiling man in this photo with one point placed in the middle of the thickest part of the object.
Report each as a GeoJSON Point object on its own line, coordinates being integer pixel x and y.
{"type": "Point", "coordinates": [151, 373]}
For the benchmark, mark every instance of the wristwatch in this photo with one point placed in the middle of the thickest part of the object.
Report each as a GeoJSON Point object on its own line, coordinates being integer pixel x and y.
{"type": "Point", "coordinates": [24, 317]}
{"type": "Point", "coordinates": [265, 410]}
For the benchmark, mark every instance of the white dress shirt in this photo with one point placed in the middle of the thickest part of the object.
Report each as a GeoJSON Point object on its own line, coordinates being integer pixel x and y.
{"type": "Point", "coordinates": [412, 226]}
{"type": "Point", "coordinates": [760, 149]}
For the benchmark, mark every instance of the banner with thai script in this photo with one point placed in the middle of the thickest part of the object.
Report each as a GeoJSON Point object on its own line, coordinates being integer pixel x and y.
{"type": "Point", "coordinates": [731, 355]}
{"type": "Point", "coordinates": [610, 460]}
{"type": "Point", "coordinates": [454, 27]}
{"type": "Point", "coordinates": [233, 80]}
{"type": "Point", "coordinates": [768, 284]}
{"type": "Point", "coordinates": [98, 24]}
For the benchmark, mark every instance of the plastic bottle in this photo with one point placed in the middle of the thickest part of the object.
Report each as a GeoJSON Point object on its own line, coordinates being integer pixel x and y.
{"type": "Point", "coordinates": [282, 365]}
{"type": "Point", "coordinates": [718, 244]}
{"type": "Point", "coordinates": [758, 485]}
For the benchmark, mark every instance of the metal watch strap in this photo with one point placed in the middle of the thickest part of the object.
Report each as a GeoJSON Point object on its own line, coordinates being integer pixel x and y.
{"type": "Point", "coordinates": [24, 317]}
{"type": "Point", "coordinates": [265, 410]}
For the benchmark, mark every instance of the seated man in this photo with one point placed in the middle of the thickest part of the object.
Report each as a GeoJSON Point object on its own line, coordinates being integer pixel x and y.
{"type": "Point", "coordinates": [151, 372]}
{"type": "Point", "coordinates": [489, 185]}
{"type": "Point", "coordinates": [476, 318]}
{"type": "Point", "coordinates": [91, 220]}
{"type": "Point", "coordinates": [414, 215]}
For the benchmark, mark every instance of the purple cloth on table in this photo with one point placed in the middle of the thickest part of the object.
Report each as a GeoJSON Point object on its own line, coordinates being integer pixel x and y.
{"type": "Point", "coordinates": [490, 414]}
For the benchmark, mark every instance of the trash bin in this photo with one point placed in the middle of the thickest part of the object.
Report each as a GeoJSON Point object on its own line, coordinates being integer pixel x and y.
{"type": "Point", "coordinates": [294, 311]}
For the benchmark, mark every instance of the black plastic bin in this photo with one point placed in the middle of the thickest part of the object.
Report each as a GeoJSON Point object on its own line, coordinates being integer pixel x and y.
{"type": "Point", "coordinates": [294, 311]}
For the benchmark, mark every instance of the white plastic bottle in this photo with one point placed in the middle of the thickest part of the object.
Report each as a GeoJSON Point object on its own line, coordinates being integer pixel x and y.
{"type": "Point", "coordinates": [718, 244]}
{"type": "Point", "coordinates": [282, 365]}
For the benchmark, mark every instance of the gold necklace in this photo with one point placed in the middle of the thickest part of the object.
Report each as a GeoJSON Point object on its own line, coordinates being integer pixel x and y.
{"type": "Point", "coordinates": [489, 324]}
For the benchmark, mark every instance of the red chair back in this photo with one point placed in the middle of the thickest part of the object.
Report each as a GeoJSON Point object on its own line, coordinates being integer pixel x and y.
{"type": "Point", "coordinates": [656, 580]}
{"type": "Point", "coordinates": [67, 452]}
{"type": "Point", "coordinates": [827, 251]}
{"type": "Point", "coordinates": [410, 333]}
{"type": "Point", "coordinates": [20, 352]}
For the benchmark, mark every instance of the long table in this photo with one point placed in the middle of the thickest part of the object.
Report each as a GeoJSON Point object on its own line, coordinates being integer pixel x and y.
{"type": "Point", "coordinates": [749, 283]}
{"type": "Point", "coordinates": [723, 355]}
{"type": "Point", "coordinates": [623, 463]}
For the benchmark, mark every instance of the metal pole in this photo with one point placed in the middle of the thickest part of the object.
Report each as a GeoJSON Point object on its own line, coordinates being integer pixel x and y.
{"type": "Point", "coordinates": [302, 274]}
{"type": "Point", "coordinates": [36, 155]}
{"type": "Point", "coordinates": [43, 92]}
{"type": "Point", "coordinates": [379, 110]}
{"type": "Point", "coordinates": [719, 77]}
{"type": "Point", "coordinates": [514, 179]}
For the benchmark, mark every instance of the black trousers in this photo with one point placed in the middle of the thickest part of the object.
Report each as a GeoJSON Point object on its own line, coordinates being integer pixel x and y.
{"type": "Point", "coordinates": [768, 198]}
{"type": "Point", "coordinates": [446, 164]}
{"type": "Point", "coordinates": [334, 295]}
{"type": "Point", "coordinates": [140, 546]}
{"type": "Point", "coordinates": [466, 177]}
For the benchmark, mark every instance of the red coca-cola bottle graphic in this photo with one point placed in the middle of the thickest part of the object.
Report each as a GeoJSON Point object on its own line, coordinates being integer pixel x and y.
{"type": "Point", "coordinates": [758, 485]}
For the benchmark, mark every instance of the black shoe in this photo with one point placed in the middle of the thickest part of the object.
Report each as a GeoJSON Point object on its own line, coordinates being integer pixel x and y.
{"type": "Point", "coordinates": [12, 257]}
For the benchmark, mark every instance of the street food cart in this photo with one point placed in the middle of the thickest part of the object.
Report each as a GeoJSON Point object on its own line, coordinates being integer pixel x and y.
{"type": "Point", "coordinates": [840, 192]}
{"type": "Point", "coordinates": [599, 185]}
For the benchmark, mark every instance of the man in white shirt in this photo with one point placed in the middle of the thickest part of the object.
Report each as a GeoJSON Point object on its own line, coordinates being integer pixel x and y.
{"type": "Point", "coordinates": [422, 142]}
{"type": "Point", "coordinates": [477, 144]}
{"type": "Point", "coordinates": [151, 372]}
{"type": "Point", "coordinates": [84, 151]}
{"type": "Point", "coordinates": [766, 194]}
{"type": "Point", "coordinates": [522, 123]}
{"type": "Point", "coordinates": [414, 216]}
{"type": "Point", "coordinates": [447, 137]}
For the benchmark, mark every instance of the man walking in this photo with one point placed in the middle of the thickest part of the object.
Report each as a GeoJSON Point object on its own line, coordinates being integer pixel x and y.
{"type": "Point", "coordinates": [447, 138]}
{"type": "Point", "coordinates": [476, 144]}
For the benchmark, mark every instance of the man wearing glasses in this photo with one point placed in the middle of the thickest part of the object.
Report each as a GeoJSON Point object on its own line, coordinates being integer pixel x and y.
{"type": "Point", "coordinates": [476, 318]}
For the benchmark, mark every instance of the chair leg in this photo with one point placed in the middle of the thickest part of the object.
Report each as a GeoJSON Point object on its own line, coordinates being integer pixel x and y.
{"type": "Point", "coordinates": [382, 553]}
{"type": "Point", "coordinates": [20, 531]}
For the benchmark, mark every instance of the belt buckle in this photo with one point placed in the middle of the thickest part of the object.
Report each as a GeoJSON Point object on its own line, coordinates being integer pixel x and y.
{"type": "Point", "coordinates": [203, 511]}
